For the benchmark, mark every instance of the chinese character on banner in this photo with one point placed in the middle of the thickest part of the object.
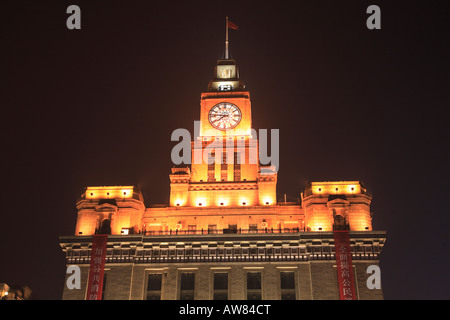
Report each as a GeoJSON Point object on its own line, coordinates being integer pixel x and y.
{"type": "Point", "coordinates": [97, 267]}
{"type": "Point", "coordinates": [344, 265]}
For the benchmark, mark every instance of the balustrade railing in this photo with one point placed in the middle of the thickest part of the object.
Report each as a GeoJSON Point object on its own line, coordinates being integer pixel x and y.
{"type": "Point", "coordinates": [222, 231]}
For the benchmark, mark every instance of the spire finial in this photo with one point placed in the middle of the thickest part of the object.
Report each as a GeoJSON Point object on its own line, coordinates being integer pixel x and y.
{"type": "Point", "coordinates": [226, 38]}
{"type": "Point", "coordinates": [228, 24]}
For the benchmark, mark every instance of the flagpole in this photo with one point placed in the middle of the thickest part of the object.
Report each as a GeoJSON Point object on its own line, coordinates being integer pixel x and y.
{"type": "Point", "coordinates": [226, 38]}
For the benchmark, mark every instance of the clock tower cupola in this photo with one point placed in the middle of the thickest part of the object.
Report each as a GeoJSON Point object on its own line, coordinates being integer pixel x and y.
{"type": "Point", "coordinates": [226, 77]}
{"type": "Point", "coordinates": [226, 73]}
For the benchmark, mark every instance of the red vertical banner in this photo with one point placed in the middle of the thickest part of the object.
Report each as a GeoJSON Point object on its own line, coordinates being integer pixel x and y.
{"type": "Point", "coordinates": [98, 254]}
{"type": "Point", "coordinates": [344, 265]}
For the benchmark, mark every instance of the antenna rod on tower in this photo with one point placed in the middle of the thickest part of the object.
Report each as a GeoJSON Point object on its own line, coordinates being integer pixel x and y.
{"type": "Point", "coordinates": [226, 38]}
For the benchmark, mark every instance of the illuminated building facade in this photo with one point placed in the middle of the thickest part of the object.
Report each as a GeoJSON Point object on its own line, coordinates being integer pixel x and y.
{"type": "Point", "coordinates": [224, 235]}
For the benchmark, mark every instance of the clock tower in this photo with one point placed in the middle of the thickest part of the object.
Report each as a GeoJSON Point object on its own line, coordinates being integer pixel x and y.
{"type": "Point", "coordinates": [225, 168]}
{"type": "Point", "coordinates": [225, 109]}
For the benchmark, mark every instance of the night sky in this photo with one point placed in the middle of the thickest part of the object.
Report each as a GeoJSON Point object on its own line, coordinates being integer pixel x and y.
{"type": "Point", "coordinates": [97, 106]}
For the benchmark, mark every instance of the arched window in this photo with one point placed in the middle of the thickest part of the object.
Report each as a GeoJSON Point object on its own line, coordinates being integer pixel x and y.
{"type": "Point", "coordinates": [339, 220]}
{"type": "Point", "coordinates": [105, 227]}
{"type": "Point", "coordinates": [340, 223]}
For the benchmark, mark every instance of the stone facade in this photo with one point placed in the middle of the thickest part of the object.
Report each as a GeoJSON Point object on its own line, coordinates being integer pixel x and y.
{"type": "Point", "coordinates": [309, 255]}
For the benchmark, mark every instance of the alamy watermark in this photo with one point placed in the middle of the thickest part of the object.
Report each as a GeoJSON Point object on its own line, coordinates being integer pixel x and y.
{"type": "Point", "coordinates": [218, 145]}
{"type": "Point", "coordinates": [73, 22]}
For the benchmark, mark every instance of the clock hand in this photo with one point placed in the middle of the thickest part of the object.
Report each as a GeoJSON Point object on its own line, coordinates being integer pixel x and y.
{"type": "Point", "coordinates": [215, 121]}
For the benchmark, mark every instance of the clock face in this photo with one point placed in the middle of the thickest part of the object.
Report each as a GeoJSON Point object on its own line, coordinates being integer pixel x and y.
{"type": "Point", "coordinates": [224, 116]}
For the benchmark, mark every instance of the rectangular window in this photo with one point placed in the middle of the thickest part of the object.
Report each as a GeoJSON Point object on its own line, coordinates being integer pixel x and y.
{"type": "Point", "coordinates": [187, 286]}
{"type": "Point", "coordinates": [254, 286]}
{"type": "Point", "coordinates": [253, 228]}
{"type": "Point", "coordinates": [192, 228]}
{"type": "Point", "coordinates": [212, 228]}
{"type": "Point", "coordinates": [154, 285]}
{"type": "Point", "coordinates": [232, 228]}
{"type": "Point", "coordinates": [224, 168]}
{"type": "Point", "coordinates": [211, 167]}
{"type": "Point", "coordinates": [237, 167]}
{"type": "Point", "coordinates": [224, 174]}
{"type": "Point", "coordinates": [287, 285]}
{"type": "Point", "coordinates": [220, 286]}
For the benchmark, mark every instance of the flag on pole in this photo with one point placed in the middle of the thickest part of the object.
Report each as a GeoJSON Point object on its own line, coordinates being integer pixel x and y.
{"type": "Point", "coordinates": [233, 26]}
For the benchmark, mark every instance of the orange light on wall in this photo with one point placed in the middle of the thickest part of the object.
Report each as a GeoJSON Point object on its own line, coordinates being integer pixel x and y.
{"type": "Point", "coordinates": [109, 192]}
{"type": "Point", "coordinates": [336, 187]}
{"type": "Point", "coordinates": [223, 202]}
{"type": "Point", "coordinates": [244, 201]}
{"type": "Point", "coordinates": [266, 200]}
{"type": "Point", "coordinates": [201, 202]}
{"type": "Point", "coordinates": [351, 189]}
{"type": "Point", "coordinates": [127, 193]}
{"type": "Point", "coordinates": [179, 202]}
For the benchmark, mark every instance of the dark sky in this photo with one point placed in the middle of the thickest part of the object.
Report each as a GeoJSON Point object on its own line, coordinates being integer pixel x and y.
{"type": "Point", "coordinates": [97, 106]}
